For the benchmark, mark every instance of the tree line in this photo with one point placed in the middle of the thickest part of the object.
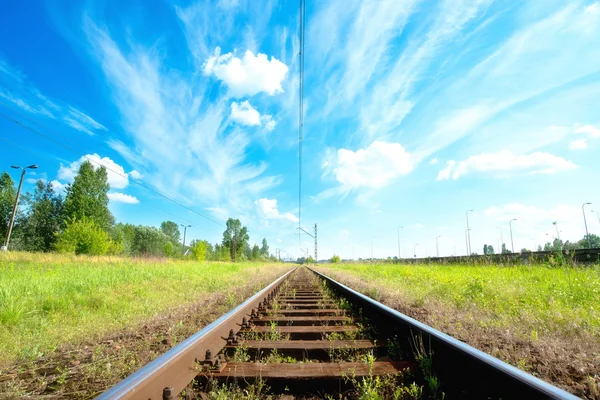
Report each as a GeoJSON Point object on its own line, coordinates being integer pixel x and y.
{"type": "Point", "coordinates": [80, 222]}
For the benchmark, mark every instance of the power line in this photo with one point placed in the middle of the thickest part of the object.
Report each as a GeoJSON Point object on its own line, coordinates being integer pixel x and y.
{"type": "Point", "coordinates": [300, 116]}
{"type": "Point", "coordinates": [47, 137]}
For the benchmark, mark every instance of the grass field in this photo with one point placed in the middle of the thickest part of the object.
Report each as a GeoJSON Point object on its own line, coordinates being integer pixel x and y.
{"type": "Point", "coordinates": [544, 320]}
{"type": "Point", "coordinates": [534, 299]}
{"type": "Point", "coordinates": [47, 300]}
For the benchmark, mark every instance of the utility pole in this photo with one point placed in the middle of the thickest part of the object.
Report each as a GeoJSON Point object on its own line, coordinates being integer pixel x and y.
{"type": "Point", "coordinates": [399, 255]}
{"type": "Point", "coordinates": [184, 232]}
{"type": "Point", "coordinates": [467, 241]}
{"type": "Point", "coordinates": [468, 232]}
{"type": "Point", "coordinates": [585, 222]}
{"type": "Point", "coordinates": [316, 258]}
{"type": "Point", "coordinates": [16, 205]}
{"type": "Point", "coordinates": [312, 236]}
{"type": "Point", "coordinates": [512, 244]}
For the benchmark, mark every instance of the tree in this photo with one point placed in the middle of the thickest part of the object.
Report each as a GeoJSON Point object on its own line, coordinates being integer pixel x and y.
{"type": "Point", "coordinates": [171, 229]}
{"type": "Point", "coordinates": [264, 250]}
{"type": "Point", "coordinates": [199, 249]}
{"type": "Point", "coordinates": [148, 240]}
{"type": "Point", "coordinates": [44, 220]}
{"type": "Point", "coordinates": [488, 249]}
{"type": "Point", "coordinates": [87, 197]}
{"type": "Point", "coordinates": [83, 237]}
{"type": "Point", "coordinates": [594, 241]}
{"type": "Point", "coordinates": [504, 249]}
{"type": "Point", "coordinates": [335, 259]}
{"type": "Point", "coordinates": [8, 192]}
{"type": "Point", "coordinates": [256, 252]}
{"type": "Point", "coordinates": [235, 238]}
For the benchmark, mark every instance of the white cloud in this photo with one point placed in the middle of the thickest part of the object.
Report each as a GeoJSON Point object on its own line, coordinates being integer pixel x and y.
{"type": "Point", "coordinates": [579, 144]}
{"type": "Point", "coordinates": [82, 122]}
{"type": "Point", "coordinates": [243, 113]}
{"type": "Point", "coordinates": [122, 198]}
{"type": "Point", "coordinates": [117, 177]}
{"type": "Point", "coordinates": [134, 174]}
{"type": "Point", "coordinates": [268, 122]}
{"type": "Point", "coordinates": [57, 186]}
{"type": "Point", "coordinates": [267, 210]}
{"type": "Point", "coordinates": [590, 130]}
{"type": "Point", "coordinates": [434, 161]}
{"type": "Point", "coordinates": [375, 166]}
{"type": "Point", "coordinates": [248, 75]}
{"type": "Point", "coordinates": [505, 162]}
{"type": "Point", "coordinates": [592, 8]}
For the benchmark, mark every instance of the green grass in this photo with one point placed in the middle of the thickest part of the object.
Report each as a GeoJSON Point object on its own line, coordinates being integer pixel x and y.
{"type": "Point", "coordinates": [535, 300]}
{"type": "Point", "coordinates": [47, 300]}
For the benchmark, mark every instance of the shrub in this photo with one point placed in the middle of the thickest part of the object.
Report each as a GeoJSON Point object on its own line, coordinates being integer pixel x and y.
{"type": "Point", "coordinates": [335, 259]}
{"type": "Point", "coordinates": [83, 237]}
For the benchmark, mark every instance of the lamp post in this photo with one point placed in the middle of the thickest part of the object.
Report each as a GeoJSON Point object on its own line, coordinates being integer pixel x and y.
{"type": "Point", "coordinates": [415, 249]}
{"type": "Point", "coordinates": [466, 241]}
{"type": "Point", "coordinates": [399, 255]}
{"type": "Point", "coordinates": [512, 244]}
{"type": "Point", "coordinates": [437, 246]}
{"type": "Point", "coordinates": [14, 211]}
{"type": "Point", "coordinates": [557, 234]}
{"type": "Point", "coordinates": [468, 233]}
{"type": "Point", "coordinates": [184, 232]}
{"type": "Point", "coordinates": [585, 222]}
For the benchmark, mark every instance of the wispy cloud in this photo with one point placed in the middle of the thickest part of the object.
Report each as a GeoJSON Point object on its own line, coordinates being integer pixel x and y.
{"type": "Point", "coordinates": [118, 197]}
{"type": "Point", "coordinates": [195, 153]}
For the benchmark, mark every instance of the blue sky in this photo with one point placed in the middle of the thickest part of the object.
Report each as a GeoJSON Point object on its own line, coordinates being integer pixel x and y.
{"type": "Point", "coordinates": [415, 111]}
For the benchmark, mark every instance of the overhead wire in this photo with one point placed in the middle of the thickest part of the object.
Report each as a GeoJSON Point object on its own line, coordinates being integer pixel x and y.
{"type": "Point", "coordinates": [300, 117]}
{"type": "Point", "coordinates": [76, 152]}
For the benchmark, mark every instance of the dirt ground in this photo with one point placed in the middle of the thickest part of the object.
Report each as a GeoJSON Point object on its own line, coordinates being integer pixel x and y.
{"type": "Point", "coordinates": [566, 362]}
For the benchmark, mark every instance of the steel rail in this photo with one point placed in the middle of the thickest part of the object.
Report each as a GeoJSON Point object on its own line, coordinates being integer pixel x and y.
{"type": "Point", "coordinates": [175, 369]}
{"type": "Point", "coordinates": [468, 363]}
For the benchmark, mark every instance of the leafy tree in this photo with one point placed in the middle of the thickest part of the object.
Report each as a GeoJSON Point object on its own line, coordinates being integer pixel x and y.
{"type": "Point", "coordinates": [8, 192]}
{"type": "Point", "coordinates": [83, 237]}
{"type": "Point", "coordinates": [256, 252]}
{"type": "Point", "coordinates": [488, 249]}
{"type": "Point", "coordinates": [87, 197]}
{"type": "Point", "coordinates": [572, 245]}
{"type": "Point", "coordinates": [148, 240]}
{"type": "Point", "coordinates": [235, 238]}
{"type": "Point", "coordinates": [264, 250]}
{"type": "Point", "coordinates": [44, 219]}
{"type": "Point", "coordinates": [171, 229]}
{"type": "Point", "coordinates": [335, 259]}
{"type": "Point", "coordinates": [504, 249]}
{"type": "Point", "coordinates": [199, 249]}
{"type": "Point", "coordinates": [221, 253]}
{"type": "Point", "coordinates": [594, 241]}
{"type": "Point", "coordinates": [525, 250]}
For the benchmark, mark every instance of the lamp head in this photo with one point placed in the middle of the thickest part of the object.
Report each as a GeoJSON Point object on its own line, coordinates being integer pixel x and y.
{"type": "Point", "coordinates": [34, 166]}
{"type": "Point", "coordinates": [15, 166]}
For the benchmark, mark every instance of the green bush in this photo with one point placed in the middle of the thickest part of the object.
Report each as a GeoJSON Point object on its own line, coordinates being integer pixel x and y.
{"type": "Point", "coordinates": [199, 249]}
{"type": "Point", "coordinates": [335, 259]}
{"type": "Point", "coordinates": [83, 237]}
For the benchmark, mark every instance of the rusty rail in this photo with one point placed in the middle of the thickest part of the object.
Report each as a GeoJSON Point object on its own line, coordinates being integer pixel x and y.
{"type": "Point", "coordinates": [170, 373]}
{"type": "Point", "coordinates": [295, 316]}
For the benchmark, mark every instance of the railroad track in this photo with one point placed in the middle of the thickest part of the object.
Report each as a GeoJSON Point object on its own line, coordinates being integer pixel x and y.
{"type": "Point", "coordinates": [308, 336]}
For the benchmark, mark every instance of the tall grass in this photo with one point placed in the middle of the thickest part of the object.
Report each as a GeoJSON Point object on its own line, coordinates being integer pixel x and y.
{"type": "Point", "coordinates": [534, 300]}
{"type": "Point", "coordinates": [47, 300]}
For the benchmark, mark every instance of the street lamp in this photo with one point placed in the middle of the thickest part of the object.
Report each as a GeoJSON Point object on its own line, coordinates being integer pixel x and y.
{"type": "Point", "coordinates": [557, 234]}
{"type": "Point", "coordinates": [468, 234]}
{"type": "Point", "coordinates": [184, 232]}
{"type": "Point", "coordinates": [415, 249]}
{"type": "Point", "coordinates": [14, 211]}
{"type": "Point", "coordinates": [585, 222]}
{"type": "Point", "coordinates": [399, 255]}
{"type": "Point", "coordinates": [512, 244]}
{"type": "Point", "coordinates": [437, 246]}
{"type": "Point", "coordinates": [466, 241]}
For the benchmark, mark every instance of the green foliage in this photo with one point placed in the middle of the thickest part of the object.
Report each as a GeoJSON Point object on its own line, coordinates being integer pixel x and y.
{"type": "Point", "coordinates": [8, 192]}
{"type": "Point", "coordinates": [488, 249]}
{"type": "Point", "coordinates": [83, 237]}
{"type": "Point", "coordinates": [44, 220]}
{"type": "Point", "coordinates": [235, 238]}
{"type": "Point", "coordinates": [594, 241]}
{"type": "Point", "coordinates": [335, 259]}
{"type": "Point", "coordinates": [200, 249]}
{"type": "Point", "coordinates": [171, 229]}
{"type": "Point", "coordinates": [264, 250]}
{"type": "Point", "coordinates": [87, 197]}
{"type": "Point", "coordinates": [149, 241]}
{"type": "Point", "coordinates": [255, 252]}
